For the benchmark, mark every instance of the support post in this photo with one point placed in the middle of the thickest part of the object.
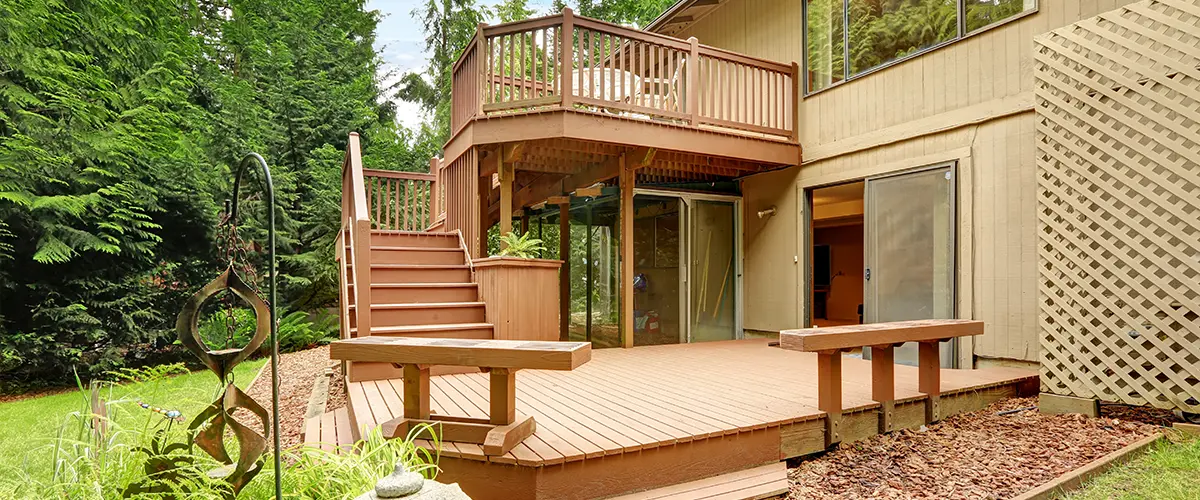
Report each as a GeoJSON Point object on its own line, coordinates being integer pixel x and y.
{"type": "Point", "coordinates": [929, 379]}
{"type": "Point", "coordinates": [829, 393]}
{"type": "Point", "coordinates": [883, 384]}
{"type": "Point", "coordinates": [626, 182]}
{"type": "Point", "coordinates": [416, 391]}
{"type": "Point", "coordinates": [795, 111]}
{"type": "Point", "coordinates": [503, 396]}
{"type": "Point", "coordinates": [564, 274]}
{"type": "Point", "coordinates": [506, 174]}
{"type": "Point", "coordinates": [524, 221]}
{"type": "Point", "coordinates": [588, 274]}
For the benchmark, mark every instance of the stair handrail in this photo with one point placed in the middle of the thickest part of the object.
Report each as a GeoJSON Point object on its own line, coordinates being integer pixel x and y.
{"type": "Point", "coordinates": [356, 222]}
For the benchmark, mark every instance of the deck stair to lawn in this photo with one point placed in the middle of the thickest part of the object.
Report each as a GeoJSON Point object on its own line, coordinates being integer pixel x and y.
{"type": "Point", "coordinates": [767, 481]}
{"type": "Point", "coordinates": [421, 286]}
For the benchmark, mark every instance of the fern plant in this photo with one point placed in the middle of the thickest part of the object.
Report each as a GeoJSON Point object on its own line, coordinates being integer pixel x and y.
{"type": "Point", "coordinates": [523, 246]}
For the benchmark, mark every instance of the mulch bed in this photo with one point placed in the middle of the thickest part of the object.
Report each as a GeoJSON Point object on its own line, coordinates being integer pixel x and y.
{"type": "Point", "coordinates": [973, 455]}
{"type": "Point", "coordinates": [297, 371]}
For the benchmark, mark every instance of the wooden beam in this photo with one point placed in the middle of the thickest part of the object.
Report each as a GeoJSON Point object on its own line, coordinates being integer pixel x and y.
{"type": "Point", "coordinates": [416, 391]}
{"type": "Point", "coordinates": [513, 152]}
{"type": "Point", "coordinates": [558, 200]}
{"type": "Point", "coordinates": [564, 275]}
{"type": "Point", "coordinates": [485, 191]}
{"type": "Point", "coordinates": [641, 157]}
{"type": "Point", "coordinates": [679, 20]}
{"type": "Point", "coordinates": [593, 191]}
{"type": "Point", "coordinates": [626, 175]}
{"type": "Point", "coordinates": [702, 3]}
{"type": "Point", "coordinates": [829, 393]}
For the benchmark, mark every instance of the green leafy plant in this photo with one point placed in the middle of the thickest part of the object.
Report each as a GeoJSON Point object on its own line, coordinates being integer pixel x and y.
{"type": "Point", "coordinates": [524, 246]}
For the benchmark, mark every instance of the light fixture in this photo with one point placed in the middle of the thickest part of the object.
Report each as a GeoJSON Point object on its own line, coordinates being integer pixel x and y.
{"type": "Point", "coordinates": [767, 212]}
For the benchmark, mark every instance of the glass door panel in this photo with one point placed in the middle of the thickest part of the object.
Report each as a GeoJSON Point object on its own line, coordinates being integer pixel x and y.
{"type": "Point", "coordinates": [657, 247]}
{"type": "Point", "coordinates": [910, 252]}
{"type": "Point", "coordinates": [713, 270]}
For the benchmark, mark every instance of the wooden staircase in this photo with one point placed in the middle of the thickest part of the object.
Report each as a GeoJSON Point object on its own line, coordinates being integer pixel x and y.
{"type": "Point", "coordinates": [421, 286]}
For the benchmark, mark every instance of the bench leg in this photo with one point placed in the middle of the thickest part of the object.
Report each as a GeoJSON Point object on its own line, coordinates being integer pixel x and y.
{"type": "Point", "coordinates": [416, 391]}
{"type": "Point", "coordinates": [829, 394]}
{"type": "Point", "coordinates": [929, 379]}
{"type": "Point", "coordinates": [883, 384]}
{"type": "Point", "coordinates": [503, 396]}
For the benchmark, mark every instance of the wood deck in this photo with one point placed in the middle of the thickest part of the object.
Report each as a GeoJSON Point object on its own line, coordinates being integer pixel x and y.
{"type": "Point", "coordinates": [648, 417]}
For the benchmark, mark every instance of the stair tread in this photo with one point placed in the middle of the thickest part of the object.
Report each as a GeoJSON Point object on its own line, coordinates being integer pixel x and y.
{"type": "Point", "coordinates": [415, 249]}
{"type": "Point", "coordinates": [419, 285]}
{"type": "Point", "coordinates": [429, 328]}
{"type": "Point", "coordinates": [421, 266]}
{"type": "Point", "coordinates": [425, 305]}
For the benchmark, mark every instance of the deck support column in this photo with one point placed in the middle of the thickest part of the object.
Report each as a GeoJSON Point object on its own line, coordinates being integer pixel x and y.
{"type": "Point", "coordinates": [506, 174]}
{"type": "Point", "coordinates": [485, 194]}
{"type": "Point", "coordinates": [829, 393]}
{"type": "Point", "coordinates": [626, 181]}
{"type": "Point", "coordinates": [564, 273]}
{"type": "Point", "coordinates": [929, 379]}
{"type": "Point", "coordinates": [883, 384]}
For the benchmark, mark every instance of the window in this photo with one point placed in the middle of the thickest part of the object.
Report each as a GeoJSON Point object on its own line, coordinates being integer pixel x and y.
{"type": "Point", "coordinates": [847, 38]}
{"type": "Point", "coordinates": [826, 43]}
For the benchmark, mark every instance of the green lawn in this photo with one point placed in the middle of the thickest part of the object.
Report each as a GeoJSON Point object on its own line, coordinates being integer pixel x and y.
{"type": "Point", "coordinates": [1169, 471]}
{"type": "Point", "coordinates": [31, 426]}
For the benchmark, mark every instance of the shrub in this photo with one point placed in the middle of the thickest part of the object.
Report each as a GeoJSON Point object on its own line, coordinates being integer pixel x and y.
{"type": "Point", "coordinates": [298, 330]}
{"type": "Point", "coordinates": [523, 246]}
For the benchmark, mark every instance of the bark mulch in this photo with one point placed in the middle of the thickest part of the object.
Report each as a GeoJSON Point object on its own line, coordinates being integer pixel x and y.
{"type": "Point", "coordinates": [297, 371]}
{"type": "Point", "coordinates": [973, 455]}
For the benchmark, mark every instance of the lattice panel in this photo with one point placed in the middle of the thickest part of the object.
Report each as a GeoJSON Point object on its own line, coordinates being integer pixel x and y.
{"type": "Point", "coordinates": [1118, 111]}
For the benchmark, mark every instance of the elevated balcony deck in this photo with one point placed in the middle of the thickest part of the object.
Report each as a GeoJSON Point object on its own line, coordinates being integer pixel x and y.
{"type": "Point", "coordinates": [563, 80]}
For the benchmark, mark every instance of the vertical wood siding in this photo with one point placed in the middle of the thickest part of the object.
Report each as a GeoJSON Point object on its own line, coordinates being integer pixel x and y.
{"type": "Point", "coordinates": [521, 297]}
{"type": "Point", "coordinates": [462, 204]}
{"type": "Point", "coordinates": [969, 102]}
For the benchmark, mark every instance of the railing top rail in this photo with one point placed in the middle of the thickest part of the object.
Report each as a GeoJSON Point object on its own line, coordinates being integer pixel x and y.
{"type": "Point", "coordinates": [394, 174]}
{"type": "Point", "coordinates": [470, 47]}
{"type": "Point", "coordinates": [714, 52]}
{"type": "Point", "coordinates": [616, 29]}
{"type": "Point", "coordinates": [353, 163]}
{"type": "Point", "coordinates": [524, 25]}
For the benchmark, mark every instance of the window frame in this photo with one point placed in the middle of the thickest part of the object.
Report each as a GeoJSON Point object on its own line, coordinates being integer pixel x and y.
{"type": "Point", "coordinates": [962, 34]}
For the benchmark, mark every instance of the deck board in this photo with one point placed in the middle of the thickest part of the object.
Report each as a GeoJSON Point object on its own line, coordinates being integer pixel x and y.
{"type": "Point", "coordinates": [634, 400]}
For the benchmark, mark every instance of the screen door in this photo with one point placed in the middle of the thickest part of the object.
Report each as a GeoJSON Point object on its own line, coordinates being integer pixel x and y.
{"type": "Point", "coordinates": [909, 236]}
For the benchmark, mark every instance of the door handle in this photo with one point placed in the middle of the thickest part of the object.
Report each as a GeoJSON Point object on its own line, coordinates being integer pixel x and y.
{"type": "Point", "coordinates": [867, 274]}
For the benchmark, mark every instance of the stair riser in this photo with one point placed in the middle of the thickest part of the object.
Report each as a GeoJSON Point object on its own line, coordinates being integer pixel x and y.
{"type": "Point", "coordinates": [431, 316]}
{"type": "Point", "coordinates": [414, 240]}
{"type": "Point", "coordinates": [417, 257]}
{"type": "Point", "coordinates": [385, 275]}
{"type": "Point", "coordinates": [424, 295]}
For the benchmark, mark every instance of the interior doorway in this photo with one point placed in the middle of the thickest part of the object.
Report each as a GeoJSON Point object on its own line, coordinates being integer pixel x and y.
{"type": "Point", "coordinates": [883, 250]}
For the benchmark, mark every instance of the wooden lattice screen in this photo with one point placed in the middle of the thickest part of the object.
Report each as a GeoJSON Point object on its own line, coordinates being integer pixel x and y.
{"type": "Point", "coordinates": [1118, 112]}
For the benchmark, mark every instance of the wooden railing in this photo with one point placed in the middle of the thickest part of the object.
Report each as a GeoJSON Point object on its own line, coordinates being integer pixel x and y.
{"type": "Point", "coordinates": [401, 201]}
{"type": "Point", "coordinates": [354, 242]}
{"type": "Point", "coordinates": [574, 62]}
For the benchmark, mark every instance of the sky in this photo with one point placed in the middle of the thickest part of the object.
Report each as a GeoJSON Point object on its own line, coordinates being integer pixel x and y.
{"type": "Point", "coordinates": [401, 43]}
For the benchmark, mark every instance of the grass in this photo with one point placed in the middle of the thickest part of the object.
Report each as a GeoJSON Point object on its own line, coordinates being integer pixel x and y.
{"type": "Point", "coordinates": [31, 426]}
{"type": "Point", "coordinates": [1171, 470]}
{"type": "Point", "coordinates": [47, 450]}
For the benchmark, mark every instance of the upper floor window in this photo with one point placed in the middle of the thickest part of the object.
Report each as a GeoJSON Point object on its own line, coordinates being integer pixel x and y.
{"type": "Point", "coordinates": [847, 38]}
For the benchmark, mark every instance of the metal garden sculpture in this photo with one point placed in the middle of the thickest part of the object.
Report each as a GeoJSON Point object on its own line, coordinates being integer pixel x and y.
{"type": "Point", "coordinates": [207, 430]}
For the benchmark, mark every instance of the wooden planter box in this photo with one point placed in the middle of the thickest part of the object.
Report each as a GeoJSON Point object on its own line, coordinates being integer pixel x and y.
{"type": "Point", "coordinates": [521, 296]}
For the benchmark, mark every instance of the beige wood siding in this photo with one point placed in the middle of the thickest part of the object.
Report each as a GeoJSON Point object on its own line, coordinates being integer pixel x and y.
{"type": "Point", "coordinates": [970, 102]}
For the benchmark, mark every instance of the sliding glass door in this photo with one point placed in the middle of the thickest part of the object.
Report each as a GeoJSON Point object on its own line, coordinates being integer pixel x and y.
{"type": "Point", "coordinates": [909, 243]}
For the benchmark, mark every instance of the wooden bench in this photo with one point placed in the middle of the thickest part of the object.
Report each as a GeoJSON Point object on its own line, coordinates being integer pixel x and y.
{"type": "Point", "coordinates": [882, 338]}
{"type": "Point", "coordinates": [502, 430]}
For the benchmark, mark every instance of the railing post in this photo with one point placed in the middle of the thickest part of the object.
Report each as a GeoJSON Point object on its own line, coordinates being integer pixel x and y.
{"type": "Point", "coordinates": [796, 104]}
{"type": "Point", "coordinates": [691, 84]}
{"type": "Point", "coordinates": [482, 61]}
{"type": "Point", "coordinates": [566, 58]}
{"type": "Point", "coordinates": [360, 234]}
{"type": "Point", "coordinates": [435, 164]}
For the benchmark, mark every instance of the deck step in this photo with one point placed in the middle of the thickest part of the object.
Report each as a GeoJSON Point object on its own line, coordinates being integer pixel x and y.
{"type": "Point", "coordinates": [392, 293]}
{"type": "Point", "coordinates": [414, 239]}
{"type": "Point", "coordinates": [750, 484]}
{"type": "Point", "coordinates": [417, 255]}
{"type": "Point", "coordinates": [330, 431]}
{"type": "Point", "coordinates": [443, 331]}
{"type": "Point", "coordinates": [425, 313]}
{"type": "Point", "coordinates": [420, 273]}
